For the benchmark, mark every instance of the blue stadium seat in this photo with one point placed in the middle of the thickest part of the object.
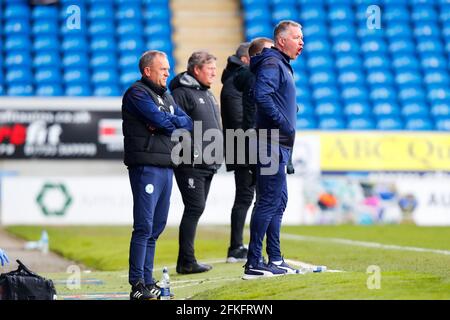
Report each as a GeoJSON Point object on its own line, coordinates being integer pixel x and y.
{"type": "Point", "coordinates": [79, 59]}
{"type": "Point", "coordinates": [49, 90]}
{"type": "Point", "coordinates": [159, 29]}
{"type": "Point", "coordinates": [16, 10]}
{"type": "Point", "coordinates": [284, 12]}
{"type": "Point", "coordinates": [102, 10]}
{"type": "Point", "coordinates": [331, 109]}
{"type": "Point", "coordinates": [81, 90]}
{"type": "Point", "coordinates": [104, 76]}
{"type": "Point", "coordinates": [376, 61]}
{"type": "Point", "coordinates": [128, 77]}
{"type": "Point", "coordinates": [103, 60]}
{"type": "Point", "coordinates": [298, 65]}
{"type": "Point", "coordinates": [317, 46]}
{"type": "Point", "coordinates": [102, 27]}
{"type": "Point", "coordinates": [322, 78]}
{"type": "Point", "coordinates": [45, 12]}
{"type": "Point", "coordinates": [423, 13]}
{"type": "Point", "coordinates": [302, 94]}
{"type": "Point", "coordinates": [315, 31]}
{"type": "Point", "coordinates": [311, 12]}
{"type": "Point", "coordinates": [76, 76]}
{"type": "Point", "coordinates": [437, 94]}
{"type": "Point", "coordinates": [262, 29]}
{"type": "Point", "coordinates": [325, 94]}
{"type": "Point", "coordinates": [19, 75]}
{"type": "Point", "coordinates": [396, 30]}
{"type": "Point", "coordinates": [46, 42]}
{"type": "Point", "coordinates": [345, 46]}
{"type": "Point", "coordinates": [306, 123]}
{"type": "Point", "coordinates": [354, 93]}
{"type": "Point", "coordinates": [402, 45]}
{"type": "Point", "coordinates": [17, 59]}
{"type": "Point", "coordinates": [128, 60]}
{"type": "Point", "coordinates": [75, 43]}
{"type": "Point", "coordinates": [358, 109]}
{"type": "Point", "coordinates": [338, 12]}
{"type": "Point", "coordinates": [415, 110]}
{"type": "Point", "coordinates": [16, 26]}
{"type": "Point", "coordinates": [426, 29]}
{"type": "Point", "coordinates": [430, 45]}
{"type": "Point", "coordinates": [365, 33]}
{"type": "Point", "coordinates": [46, 75]}
{"type": "Point", "coordinates": [45, 26]}
{"type": "Point", "coordinates": [17, 42]}
{"type": "Point", "coordinates": [373, 46]}
{"type": "Point", "coordinates": [386, 110]}
{"type": "Point", "coordinates": [382, 93]}
{"type": "Point", "coordinates": [46, 59]}
{"type": "Point", "coordinates": [353, 78]}
{"type": "Point", "coordinates": [405, 62]}
{"type": "Point", "coordinates": [433, 61]}
{"type": "Point", "coordinates": [348, 62]}
{"type": "Point", "coordinates": [437, 77]}
{"type": "Point", "coordinates": [319, 62]}
{"type": "Point", "coordinates": [396, 12]}
{"type": "Point", "coordinates": [342, 30]}
{"type": "Point", "coordinates": [131, 42]}
{"type": "Point", "coordinates": [130, 27]}
{"type": "Point", "coordinates": [20, 90]}
{"type": "Point", "coordinates": [389, 123]}
{"type": "Point", "coordinates": [419, 124]}
{"type": "Point", "coordinates": [107, 43]}
{"type": "Point", "coordinates": [305, 108]}
{"type": "Point", "coordinates": [160, 44]}
{"type": "Point", "coordinates": [379, 78]}
{"type": "Point", "coordinates": [328, 123]}
{"type": "Point", "coordinates": [360, 123]}
{"type": "Point", "coordinates": [129, 11]}
{"type": "Point", "coordinates": [107, 90]}
{"type": "Point", "coordinates": [443, 124]}
{"type": "Point", "coordinates": [408, 78]}
{"type": "Point", "coordinates": [258, 14]}
{"type": "Point", "coordinates": [409, 94]}
{"type": "Point", "coordinates": [155, 13]}
{"type": "Point", "coordinates": [441, 110]}
{"type": "Point", "coordinates": [252, 3]}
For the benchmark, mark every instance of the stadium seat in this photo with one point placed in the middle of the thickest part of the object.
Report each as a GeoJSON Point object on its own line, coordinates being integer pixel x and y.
{"type": "Point", "coordinates": [386, 110]}
{"type": "Point", "coordinates": [441, 110]}
{"type": "Point", "coordinates": [154, 13]}
{"type": "Point", "coordinates": [433, 61]}
{"type": "Point", "coordinates": [128, 60]}
{"type": "Point", "coordinates": [129, 27]}
{"type": "Point", "coordinates": [106, 43]}
{"type": "Point", "coordinates": [160, 44]}
{"type": "Point", "coordinates": [322, 78]}
{"type": "Point", "coordinates": [130, 11]}
{"type": "Point", "coordinates": [20, 90]}
{"type": "Point", "coordinates": [46, 42]}
{"type": "Point", "coordinates": [354, 93]}
{"type": "Point", "coordinates": [45, 12]}
{"type": "Point", "coordinates": [45, 26]}
{"type": "Point", "coordinates": [353, 78]}
{"type": "Point", "coordinates": [158, 29]}
{"type": "Point", "coordinates": [376, 61]}
{"type": "Point", "coordinates": [360, 124]}
{"type": "Point", "coordinates": [17, 26]}
{"type": "Point", "coordinates": [389, 123]}
{"type": "Point", "coordinates": [17, 42]}
{"type": "Point", "coordinates": [75, 43]}
{"type": "Point", "coordinates": [16, 10]}
{"type": "Point", "coordinates": [310, 13]}
{"type": "Point", "coordinates": [382, 93]}
{"type": "Point", "coordinates": [284, 12]}
{"type": "Point", "coordinates": [347, 62]}
{"type": "Point", "coordinates": [49, 90]}
{"type": "Point", "coordinates": [76, 76]}
{"type": "Point", "coordinates": [302, 94]}
{"type": "Point", "coordinates": [437, 77]}
{"type": "Point", "coordinates": [397, 30]}
{"type": "Point", "coordinates": [306, 123]}
{"type": "Point", "coordinates": [107, 90]}
{"type": "Point", "coordinates": [46, 59]}
{"type": "Point", "coordinates": [104, 27]}
{"type": "Point", "coordinates": [426, 29]}
{"type": "Point", "coordinates": [17, 58]}
{"type": "Point", "coordinates": [358, 109]}
{"type": "Point", "coordinates": [331, 124]}
{"type": "Point", "coordinates": [345, 46]}
{"type": "Point", "coordinates": [373, 46]}
{"type": "Point", "coordinates": [412, 93]}
{"type": "Point", "coordinates": [380, 78]}
{"type": "Point", "coordinates": [430, 45]}
{"type": "Point", "coordinates": [408, 78]}
{"type": "Point", "coordinates": [339, 12]}
{"type": "Point", "coordinates": [128, 77]}
{"type": "Point", "coordinates": [422, 124]}
{"type": "Point", "coordinates": [102, 10]}
{"type": "Point", "coordinates": [405, 46]}
{"type": "Point", "coordinates": [261, 29]}
{"type": "Point", "coordinates": [305, 108]}
{"type": "Point", "coordinates": [78, 90]}
{"type": "Point", "coordinates": [104, 76]}
{"type": "Point", "coordinates": [103, 60]}
{"type": "Point", "coordinates": [19, 75]}
{"type": "Point", "coordinates": [325, 94]}
{"type": "Point", "coordinates": [79, 59]}
{"type": "Point", "coordinates": [317, 46]}
{"type": "Point", "coordinates": [331, 109]}
{"type": "Point", "coordinates": [396, 12]}
{"type": "Point", "coordinates": [315, 31]}
{"type": "Point", "coordinates": [443, 124]}
{"type": "Point", "coordinates": [415, 110]}
{"type": "Point", "coordinates": [405, 62]}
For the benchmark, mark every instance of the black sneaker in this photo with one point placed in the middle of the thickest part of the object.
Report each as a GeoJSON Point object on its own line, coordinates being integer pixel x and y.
{"type": "Point", "coordinates": [237, 255]}
{"type": "Point", "coordinates": [140, 292]}
{"type": "Point", "coordinates": [193, 268]}
{"type": "Point", "coordinates": [156, 290]}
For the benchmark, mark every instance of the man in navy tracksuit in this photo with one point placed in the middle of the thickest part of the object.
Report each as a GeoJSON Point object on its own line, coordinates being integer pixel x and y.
{"type": "Point", "coordinates": [150, 116]}
{"type": "Point", "coordinates": [276, 108]}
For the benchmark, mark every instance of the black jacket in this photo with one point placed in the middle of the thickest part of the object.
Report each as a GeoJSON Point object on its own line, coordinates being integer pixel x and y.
{"type": "Point", "coordinates": [244, 80]}
{"type": "Point", "coordinates": [150, 116]}
{"type": "Point", "coordinates": [200, 104]}
{"type": "Point", "coordinates": [231, 102]}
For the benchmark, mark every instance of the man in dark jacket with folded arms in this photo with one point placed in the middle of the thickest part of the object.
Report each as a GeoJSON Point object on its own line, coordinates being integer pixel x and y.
{"type": "Point", "coordinates": [150, 116]}
{"type": "Point", "coordinates": [276, 108]}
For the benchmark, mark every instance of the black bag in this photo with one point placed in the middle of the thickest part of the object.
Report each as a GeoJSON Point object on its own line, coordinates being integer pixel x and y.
{"type": "Point", "coordinates": [23, 284]}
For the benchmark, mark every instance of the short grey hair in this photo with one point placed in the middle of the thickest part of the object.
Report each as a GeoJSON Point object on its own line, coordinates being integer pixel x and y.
{"type": "Point", "coordinates": [242, 50]}
{"type": "Point", "coordinates": [282, 27]}
{"type": "Point", "coordinates": [199, 58]}
{"type": "Point", "coordinates": [147, 58]}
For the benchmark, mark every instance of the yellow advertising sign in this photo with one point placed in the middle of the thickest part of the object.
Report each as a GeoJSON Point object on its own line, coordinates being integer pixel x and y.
{"type": "Point", "coordinates": [374, 151]}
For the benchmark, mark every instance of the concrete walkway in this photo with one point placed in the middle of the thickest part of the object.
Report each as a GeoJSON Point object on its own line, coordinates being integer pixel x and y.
{"type": "Point", "coordinates": [35, 260]}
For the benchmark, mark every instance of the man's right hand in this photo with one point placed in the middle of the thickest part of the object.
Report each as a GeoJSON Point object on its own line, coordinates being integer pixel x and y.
{"type": "Point", "coordinates": [3, 258]}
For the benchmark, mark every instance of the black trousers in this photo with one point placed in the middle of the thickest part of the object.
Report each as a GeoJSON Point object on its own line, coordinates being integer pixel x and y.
{"type": "Point", "coordinates": [242, 202]}
{"type": "Point", "coordinates": [194, 186]}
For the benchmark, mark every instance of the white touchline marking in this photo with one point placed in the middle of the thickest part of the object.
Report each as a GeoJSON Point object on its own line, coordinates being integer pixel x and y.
{"type": "Point", "coordinates": [306, 265]}
{"type": "Point", "coordinates": [366, 244]}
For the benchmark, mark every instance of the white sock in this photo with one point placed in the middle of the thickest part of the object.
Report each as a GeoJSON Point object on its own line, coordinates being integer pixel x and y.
{"type": "Point", "coordinates": [277, 263]}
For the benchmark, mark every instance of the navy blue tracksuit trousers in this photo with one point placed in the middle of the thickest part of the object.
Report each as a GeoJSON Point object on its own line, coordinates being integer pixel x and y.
{"type": "Point", "coordinates": [151, 187]}
{"type": "Point", "coordinates": [271, 201]}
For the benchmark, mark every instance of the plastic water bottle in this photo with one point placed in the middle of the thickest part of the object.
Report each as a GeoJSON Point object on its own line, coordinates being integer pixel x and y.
{"type": "Point", "coordinates": [319, 269]}
{"type": "Point", "coordinates": [44, 242]}
{"type": "Point", "coordinates": [165, 285]}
